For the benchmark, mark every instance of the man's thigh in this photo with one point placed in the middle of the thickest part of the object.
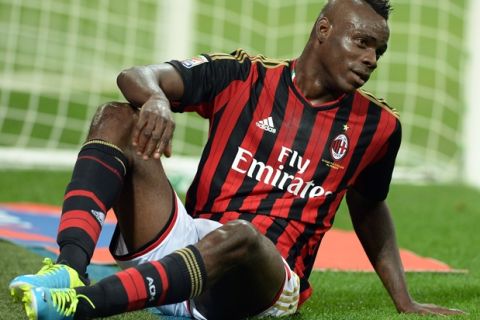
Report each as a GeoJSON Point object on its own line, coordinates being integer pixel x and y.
{"type": "Point", "coordinates": [182, 230]}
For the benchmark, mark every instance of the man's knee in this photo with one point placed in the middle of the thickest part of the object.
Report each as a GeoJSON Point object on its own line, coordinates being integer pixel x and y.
{"type": "Point", "coordinates": [113, 122]}
{"type": "Point", "coordinates": [238, 257]}
{"type": "Point", "coordinates": [234, 243]}
{"type": "Point", "coordinates": [246, 235]}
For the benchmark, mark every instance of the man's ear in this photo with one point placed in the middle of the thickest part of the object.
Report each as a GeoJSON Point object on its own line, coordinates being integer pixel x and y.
{"type": "Point", "coordinates": [323, 28]}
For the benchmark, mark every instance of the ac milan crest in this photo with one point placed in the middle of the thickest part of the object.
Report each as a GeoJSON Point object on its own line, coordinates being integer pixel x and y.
{"type": "Point", "coordinates": [339, 146]}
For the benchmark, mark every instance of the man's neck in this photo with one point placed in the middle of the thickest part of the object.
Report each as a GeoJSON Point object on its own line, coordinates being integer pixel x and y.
{"type": "Point", "coordinates": [312, 85]}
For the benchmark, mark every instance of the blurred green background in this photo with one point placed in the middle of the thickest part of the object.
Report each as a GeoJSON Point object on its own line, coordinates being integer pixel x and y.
{"type": "Point", "coordinates": [60, 59]}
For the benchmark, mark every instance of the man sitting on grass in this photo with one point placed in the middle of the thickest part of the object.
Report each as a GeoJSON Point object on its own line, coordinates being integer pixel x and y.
{"type": "Point", "coordinates": [287, 141]}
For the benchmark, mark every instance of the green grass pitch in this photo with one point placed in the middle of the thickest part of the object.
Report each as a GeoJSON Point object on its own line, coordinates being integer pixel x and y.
{"type": "Point", "coordinates": [436, 221]}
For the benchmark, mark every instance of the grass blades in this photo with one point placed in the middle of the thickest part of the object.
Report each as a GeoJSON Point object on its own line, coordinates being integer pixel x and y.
{"type": "Point", "coordinates": [436, 221]}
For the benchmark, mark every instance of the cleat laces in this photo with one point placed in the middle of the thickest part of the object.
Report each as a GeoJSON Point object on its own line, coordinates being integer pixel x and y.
{"type": "Point", "coordinates": [48, 268]}
{"type": "Point", "coordinates": [66, 301]}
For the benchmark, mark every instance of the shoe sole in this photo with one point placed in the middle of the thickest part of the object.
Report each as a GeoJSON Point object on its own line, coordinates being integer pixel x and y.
{"type": "Point", "coordinates": [18, 291]}
{"type": "Point", "coordinates": [29, 302]}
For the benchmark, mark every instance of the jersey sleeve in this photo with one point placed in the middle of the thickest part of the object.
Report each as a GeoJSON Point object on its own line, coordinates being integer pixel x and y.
{"type": "Point", "coordinates": [206, 76]}
{"type": "Point", "coordinates": [374, 181]}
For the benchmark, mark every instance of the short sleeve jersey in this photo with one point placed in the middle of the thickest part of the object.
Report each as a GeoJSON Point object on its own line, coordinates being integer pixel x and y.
{"type": "Point", "coordinates": [277, 160]}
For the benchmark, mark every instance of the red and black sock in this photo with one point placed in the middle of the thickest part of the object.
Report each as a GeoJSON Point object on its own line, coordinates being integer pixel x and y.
{"type": "Point", "coordinates": [177, 277]}
{"type": "Point", "coordinates": [97, 180]}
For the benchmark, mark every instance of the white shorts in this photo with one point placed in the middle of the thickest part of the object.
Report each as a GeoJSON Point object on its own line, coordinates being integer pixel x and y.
{"type": "Point", "coordinates": [183, 230]}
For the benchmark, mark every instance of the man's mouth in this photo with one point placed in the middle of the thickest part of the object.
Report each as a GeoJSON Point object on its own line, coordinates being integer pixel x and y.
{"type": "Point", "coordinates": [364, 76]}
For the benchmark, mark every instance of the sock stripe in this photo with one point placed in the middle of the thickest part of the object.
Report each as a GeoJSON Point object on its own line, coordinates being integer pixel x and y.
{"type": "Point", "coordinates": [199, 282]}
{"type": "Point", "coordinates": [113, 170]}
{"type": "Point", "coordinates": [134, 285]}
{"type": "Point", "coordinates": [199, 268]}
{"type": "Point", "coordinates": [140, 290]}
{"type": "Point", "coordinates": [82, 220]}
{"type": "Point", "coordinates": [123, 165]}
{"type": "Point", "coordinates": [115, 151]}
{"type": "Point", "coordinates": [196, 271]}
{"type": "Point", "coordinates": [102, 142]}
{"type": "Point", "coordinates": [164, 279]}
{"type": "Point", "coordinates": [189, 268]}
{"type": "Point", "coordinates": [193, 269]}
{"type": "Point", "coordinates": [88, 194]}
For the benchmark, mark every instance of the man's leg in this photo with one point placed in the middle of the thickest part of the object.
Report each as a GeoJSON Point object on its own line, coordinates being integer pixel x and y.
{"type": "Point", "coordinates": [104, 173]}
{"type": "Point", "coordinates": [144, 203]}
{"type": "Point", "coordinates": [108, 174]}
{"type": "Point", "coordinates": [97, 180]}
{"type": "Point", "coordinates": [234, 271]}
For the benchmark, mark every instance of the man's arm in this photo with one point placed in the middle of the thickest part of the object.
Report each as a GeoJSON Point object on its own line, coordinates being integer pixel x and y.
{"type": "Point", "coordinates": [374, 227]}
{"type": "Point", "coordinates": [151, 88]}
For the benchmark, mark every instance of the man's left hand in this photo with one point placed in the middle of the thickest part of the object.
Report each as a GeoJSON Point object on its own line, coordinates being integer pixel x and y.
{"type": "Point", "coordinates": [426, 309]}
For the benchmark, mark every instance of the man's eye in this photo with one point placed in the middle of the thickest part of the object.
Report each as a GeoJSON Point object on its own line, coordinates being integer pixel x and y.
{"type": "Point", "coordinates": [362, 43]}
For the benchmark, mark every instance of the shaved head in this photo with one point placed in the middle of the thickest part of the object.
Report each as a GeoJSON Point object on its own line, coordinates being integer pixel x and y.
{"type": "Point", "coordinates": [342, 13]}
{"type": "Point", "coordinates": [382, 7]}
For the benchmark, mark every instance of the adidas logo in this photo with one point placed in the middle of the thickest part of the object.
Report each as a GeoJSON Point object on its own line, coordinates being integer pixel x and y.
{"type": "Point", "coordinates": [99, 215]}
{"type": "Point", "coordinates": [267, 125]}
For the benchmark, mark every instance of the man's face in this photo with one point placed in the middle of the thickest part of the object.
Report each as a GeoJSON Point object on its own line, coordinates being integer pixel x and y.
{"type": "Point", "coordinates": [357, 40]}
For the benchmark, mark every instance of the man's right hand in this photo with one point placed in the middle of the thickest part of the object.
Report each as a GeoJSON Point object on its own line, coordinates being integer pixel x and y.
{"type": "Point", "coordinates": [152, 136]}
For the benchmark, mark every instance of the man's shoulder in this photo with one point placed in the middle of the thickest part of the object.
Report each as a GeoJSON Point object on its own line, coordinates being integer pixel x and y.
{"type": "Point", "coordinates": [379, 102]}
{"type": "Point", "coordinates": [241, 56]}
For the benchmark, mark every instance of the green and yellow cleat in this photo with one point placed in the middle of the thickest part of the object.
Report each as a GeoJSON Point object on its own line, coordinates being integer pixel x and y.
{"type": "Point", "coordinates": [51, 304]}
{"type": "Point", "coordinates": [50, 276]}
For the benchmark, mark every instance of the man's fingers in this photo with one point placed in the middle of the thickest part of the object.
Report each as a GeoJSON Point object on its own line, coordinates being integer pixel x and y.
{"type": "Point", "coordinates": [441, 311]}
{"type": "Point", "coordinates": [153, 133]}
{"type": "Point", "coordinates": [145, 136]}
{"type": "Point", "coordinates": [445, 311]}
{"type": "Point", "coordinates": [168, 135]}
{"type": "Point", "coordinates": [142, 120]}
{"type": "Point", "coordinates": [164, 145]}
{"type": "Point", "coordinates": [428, 308]}
{"type": "Point", "coordinates": [155, 139]}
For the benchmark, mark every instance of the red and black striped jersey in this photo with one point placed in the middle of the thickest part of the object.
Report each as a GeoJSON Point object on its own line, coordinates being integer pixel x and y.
{"type": "Point", "coordinates": [277, 160]}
